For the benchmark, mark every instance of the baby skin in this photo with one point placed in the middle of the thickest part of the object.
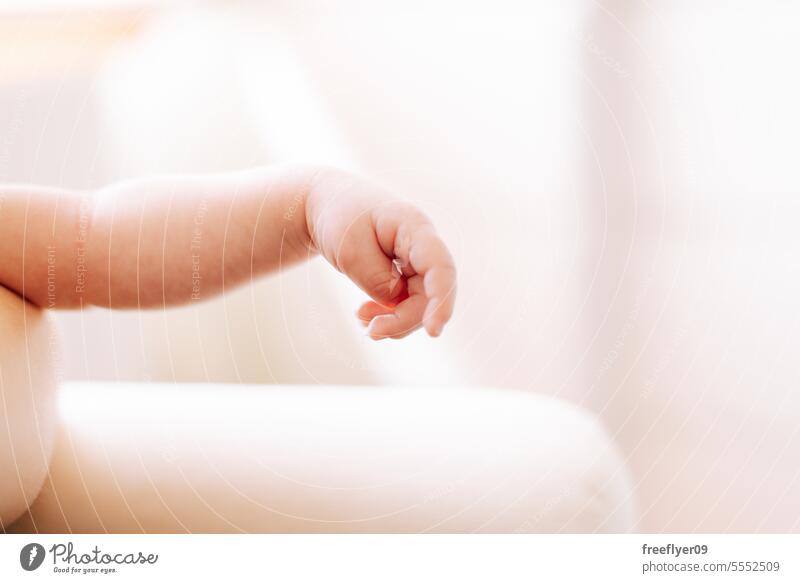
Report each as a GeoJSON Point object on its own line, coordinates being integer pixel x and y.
{"type": "Point", "coordinates": [168, 241]}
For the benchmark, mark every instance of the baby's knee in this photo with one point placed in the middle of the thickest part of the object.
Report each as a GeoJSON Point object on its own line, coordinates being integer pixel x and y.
{"type": "Point", "coordinates": [28, 345]}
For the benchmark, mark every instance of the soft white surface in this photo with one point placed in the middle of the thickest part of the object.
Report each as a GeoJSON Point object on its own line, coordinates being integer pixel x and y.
{"type": "Point", "coordinates": [331, 458]}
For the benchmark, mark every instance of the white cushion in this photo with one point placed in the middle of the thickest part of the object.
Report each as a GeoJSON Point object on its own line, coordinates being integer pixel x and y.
{"type": "Point", "coordinates": [230, 458]}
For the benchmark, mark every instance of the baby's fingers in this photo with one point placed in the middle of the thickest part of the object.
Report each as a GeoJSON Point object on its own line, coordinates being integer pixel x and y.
{"type": "Point", "coordinates": [440, 287]}
{"type": "Point", "coordinates": [430, 258]}
{"type": "Point", "coordinates": [406, 318]}
{"type": "Point", "coordinates": [370, 310]}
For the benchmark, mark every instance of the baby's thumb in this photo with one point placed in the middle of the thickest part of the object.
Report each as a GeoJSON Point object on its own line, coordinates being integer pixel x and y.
{"type": "Point", "coordinates": [387, 287]}
{"type": "Point", "coordinates": [371, 269]}
{"type": "Point", "coordinates": [377, 275]}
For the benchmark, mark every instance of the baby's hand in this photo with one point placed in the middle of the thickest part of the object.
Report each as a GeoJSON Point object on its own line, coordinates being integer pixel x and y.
{"type": "Point", "coordinates": [388, 248]}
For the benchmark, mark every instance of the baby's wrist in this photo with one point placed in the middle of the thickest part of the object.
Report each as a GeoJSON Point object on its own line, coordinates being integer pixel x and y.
{"type": "Point", "coordinates": [295, 184]}
{"type": "Point", "coordinates": [319, 182]}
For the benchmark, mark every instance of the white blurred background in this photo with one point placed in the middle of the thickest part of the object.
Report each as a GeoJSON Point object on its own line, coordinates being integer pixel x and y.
{"type": "Point", "coordinates": [618, 181]}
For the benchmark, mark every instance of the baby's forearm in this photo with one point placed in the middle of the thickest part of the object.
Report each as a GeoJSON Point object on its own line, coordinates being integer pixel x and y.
{"type": "Point", "coordinates": [153, 242]}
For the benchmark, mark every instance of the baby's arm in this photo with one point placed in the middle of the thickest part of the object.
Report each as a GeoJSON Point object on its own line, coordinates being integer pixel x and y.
{"type": "Point", "coordinates": [152, 242]}
{"type": "Point", "coordinates": [167, 241]}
